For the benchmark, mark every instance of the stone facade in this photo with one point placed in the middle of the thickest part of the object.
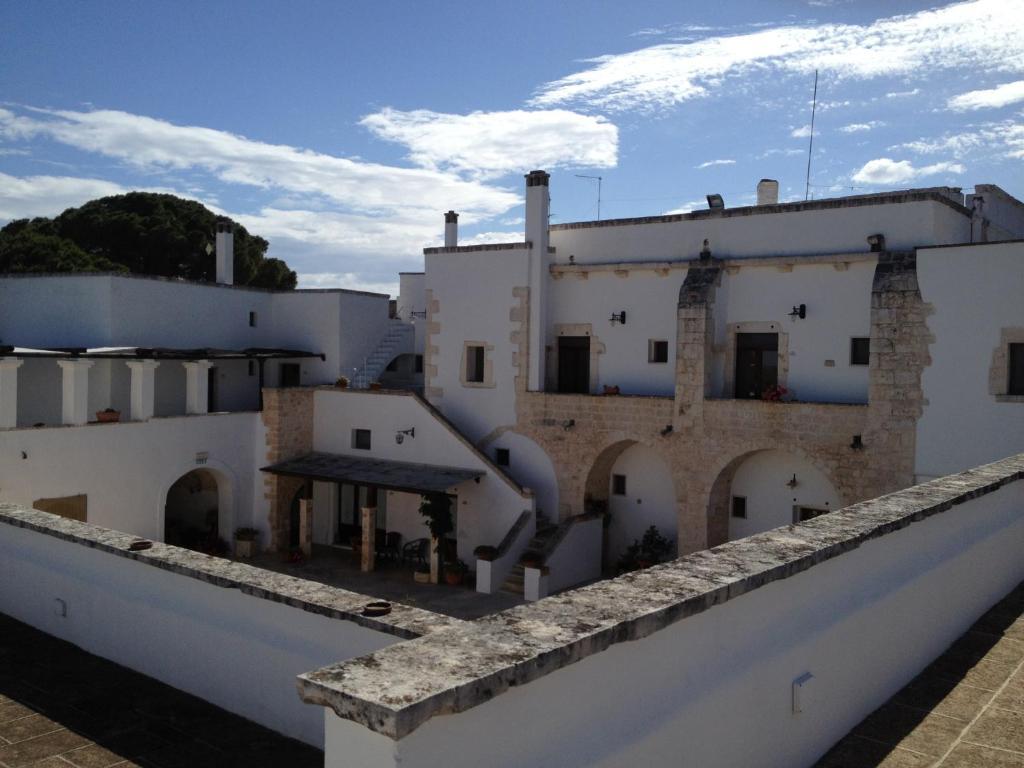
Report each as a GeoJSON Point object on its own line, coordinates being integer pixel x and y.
{"type": "Point", "coordinates": [288, 418]}
{"type": "Point", "coordinates": [999, 371]}
{"type": "Point", "coordinates": [864, 450]}
{"type": "Point", "coordinates": [430, 350]}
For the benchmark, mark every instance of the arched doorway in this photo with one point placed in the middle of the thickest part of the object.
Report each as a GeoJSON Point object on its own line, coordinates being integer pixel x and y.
{"type": "Point", "coordinates": [767, 489]}
{"type": "Point", "coordinates": [194, 512]}
{"type": "Point", "coordinates": [632, 482]}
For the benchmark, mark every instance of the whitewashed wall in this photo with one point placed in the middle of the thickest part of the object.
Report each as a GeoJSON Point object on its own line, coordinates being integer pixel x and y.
{"type": "Point", "coordinates": [836, 230]}
{"type": "Point", "coordinates": [650, 499]}
{"type": "Point", "coordinates": [975, 291]}
{"type": "Point", "coordinates": [65, 310]}
{"type": "Point", "coordinates": [531, 467]}
{"type": "Point", "coordinates": [412, 298]}
{"type": "Point", "coordinates": [762, 479]}
{"type": "Point", "coordinates": [650, 304]}
{"type": "Point", "coordinates": [239, 652]}
{"type": "Point", "coordinates": [486, 509]}
{"type": "Point", "coordinates": [475, 295]}
{"type": "Point", "coordinates": [126, 469]}
{"type": "Point", "coordinates": [714, 690]}
{"type": "Point", "coordinates": [577, 559]}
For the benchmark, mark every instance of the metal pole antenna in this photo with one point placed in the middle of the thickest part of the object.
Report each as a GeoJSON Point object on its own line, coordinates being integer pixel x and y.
{"type": "Point", "coordinates": [598, 179]}
{"type": "Point", "coordinates": [810, 146]}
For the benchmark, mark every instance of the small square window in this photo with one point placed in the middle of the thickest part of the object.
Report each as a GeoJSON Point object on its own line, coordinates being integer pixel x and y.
{"type": "Point", "coordinates": [252, 319]}
{"type": "Point", "coordinates": [419, 363]}
{"type": "Point", "coordinates": [475, 364]}
{"type": "Point", "coordinates": [619, 485]}
{"type": "Point", "coordinates": [860, 350]}
{"type": "Point", "coordinates": [361, 439]}
{"type": "Point", "coordinates": [739, 506]}
{"type": "Point", "coordinates": [1015, 357]}
{"type": "Point", "coordinates": [291, 375]}
{"type": "Point", "coordinates": [502, 457]}
{"type": "Point", "coordinates": [252, 367]}
{"type": "Point", "coordinates": [657, 351]}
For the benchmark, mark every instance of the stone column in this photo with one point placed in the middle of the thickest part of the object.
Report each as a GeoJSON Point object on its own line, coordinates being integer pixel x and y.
{"type": "Point", "coordinates": [306, 527]}
{"type": "Point", "coordinates": [9, 391]}
{"type": "Point", "coordinates": [369, 519]}
{"type": "Point", "coordinates": [143, 389]}
{"type": "Point", "coordinates": [196, 386]}
{"type": "Point", "coordinates": [435, 560]}
{"type": "Point", "coordinates": [75, 406]}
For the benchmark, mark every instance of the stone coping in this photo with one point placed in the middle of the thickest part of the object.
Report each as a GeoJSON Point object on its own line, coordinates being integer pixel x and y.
{"type": "Point", "coordinates": [397, 689]}
{"type": "Point", "coordinates": [726, 262]}
{"type": "Point", "coordinates": [127, 422]}
{"type": "Point", "coordinates": [404, 621]}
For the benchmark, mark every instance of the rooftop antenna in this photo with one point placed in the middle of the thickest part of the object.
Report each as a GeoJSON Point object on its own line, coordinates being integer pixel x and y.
{"type": "Point", "coordinates": [810, 146]}
{"type": "Point", "coordinates": [598, 179]}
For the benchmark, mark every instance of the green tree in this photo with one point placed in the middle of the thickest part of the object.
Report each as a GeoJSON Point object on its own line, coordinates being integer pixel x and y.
{"type": "Point", "coordinates": [141, 232]}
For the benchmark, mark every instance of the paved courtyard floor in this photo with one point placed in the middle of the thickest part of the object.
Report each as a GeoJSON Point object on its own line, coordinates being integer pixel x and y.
{"type": "Point", "coordinates": [62, 707]}
{"type": "Point", "coordinates": [966, 710]}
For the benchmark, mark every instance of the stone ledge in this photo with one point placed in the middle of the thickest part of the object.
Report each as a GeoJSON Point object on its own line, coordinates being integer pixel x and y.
{"type": "Point", "coordinates": [404, 621]}
{"type": "Point", "coordinates": [397, 689]}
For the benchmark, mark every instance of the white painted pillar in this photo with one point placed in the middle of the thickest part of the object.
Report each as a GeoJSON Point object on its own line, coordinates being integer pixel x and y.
{"type": "Point", "coordinates": [9, 391]}
{"type": "Point", "coordinates": [143, 389]}
{"type": "Point", "coordinates": [197, 386]}
{"type": "Point", "coordinates": [75, 406]}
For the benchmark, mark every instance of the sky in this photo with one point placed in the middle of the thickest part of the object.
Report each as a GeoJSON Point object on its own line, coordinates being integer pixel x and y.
{"type": "Point", "coordinates": [342, 131]}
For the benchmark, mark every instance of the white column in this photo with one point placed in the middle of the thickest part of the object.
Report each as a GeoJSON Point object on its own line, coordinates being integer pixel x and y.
{"type": "Point", "coordinates": [75, 407]}
{"type": "Point", "coordinates": [196, 386]}
{"type": "Point", "coordinates": [143, 389]}
{"type": "Point", "coordinates": [9, 391]}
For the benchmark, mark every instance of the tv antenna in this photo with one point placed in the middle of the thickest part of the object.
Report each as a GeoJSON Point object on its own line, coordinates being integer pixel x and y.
{"type": "Point", "coordinates": [598, 180]}
{"type": "Point", "coordinates": [810, 146]}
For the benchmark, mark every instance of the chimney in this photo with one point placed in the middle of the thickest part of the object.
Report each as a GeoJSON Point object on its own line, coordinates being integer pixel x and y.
{"type": "Point", "coordinates": [225, 253]}
{"type": "Point", "coordinates": [767, 192]}
{"type": "Point", "coordinates": [451, 229]}
{"type": "Point", "coordinates": [538, 203]}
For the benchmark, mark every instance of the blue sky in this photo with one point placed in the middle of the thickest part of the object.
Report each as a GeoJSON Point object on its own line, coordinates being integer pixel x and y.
{"type": "Point", "coordinates": [342, 131]}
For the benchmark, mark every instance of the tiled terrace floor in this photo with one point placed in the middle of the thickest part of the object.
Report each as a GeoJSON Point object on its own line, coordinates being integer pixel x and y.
{"type": "Point", "coordinates": [966, 710]}
{"type": "Point", "coordinates": [62, 707]}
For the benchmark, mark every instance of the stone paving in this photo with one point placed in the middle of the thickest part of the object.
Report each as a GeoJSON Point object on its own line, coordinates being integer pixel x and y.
{"type": "Point", "coordinates": [61, 707]}
{"type": "Point", "coordinates": [966, 710]}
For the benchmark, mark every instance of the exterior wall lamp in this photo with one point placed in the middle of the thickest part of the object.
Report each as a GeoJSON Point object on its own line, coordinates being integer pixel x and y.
{"type": "Point", "coordinates": [798, 312]}
{"type": "Point", "coordinates": [667, 430]}
{"type": "Point", "coordinates": [793, 482]}
{"type": "Point", "coordinates": [618, 317]}
{"type": "Point", "coordinates": [400, 434]}
{"type": "Point", "coordinates": [857, 443]}
{"type": "Point", "coordinates": [569, 424]}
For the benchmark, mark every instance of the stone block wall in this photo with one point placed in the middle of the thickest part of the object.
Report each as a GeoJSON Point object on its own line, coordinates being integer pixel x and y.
{"type": "Point", "coordinates": [288, 418]}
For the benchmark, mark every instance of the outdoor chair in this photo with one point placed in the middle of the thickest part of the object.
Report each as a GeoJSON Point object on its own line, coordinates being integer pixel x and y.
{"type": "Point", "coordinates": [392, 545]}
{"type": "Point", "coordinates": [417, 550]}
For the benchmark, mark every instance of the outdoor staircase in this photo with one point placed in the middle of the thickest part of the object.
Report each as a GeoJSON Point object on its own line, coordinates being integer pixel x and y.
{"type": "Point", "coordinates": [539, 543]}
{"type": "Point", "coordinates": [398, 340]}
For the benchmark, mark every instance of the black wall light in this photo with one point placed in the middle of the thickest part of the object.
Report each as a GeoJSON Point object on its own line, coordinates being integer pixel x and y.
{"type": "Point", "coordinates": [799, 312]}
{"type": "Point", "coordinates": [618, 317]}
{"type": "Point", "coordinates": [400, 434]}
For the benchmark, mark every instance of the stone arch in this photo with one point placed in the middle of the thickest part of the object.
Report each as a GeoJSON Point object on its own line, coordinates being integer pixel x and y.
{"type": "Point", "coordinates": [530, 466]}
{"type": "Point", "coordinates": [598, 483]}
{"type": "Point", "coordinates": [227, 490]}
{"type": "Point", "coordinates": [197, 512]}
{"type": "Point", "coordinates": [770, 501]}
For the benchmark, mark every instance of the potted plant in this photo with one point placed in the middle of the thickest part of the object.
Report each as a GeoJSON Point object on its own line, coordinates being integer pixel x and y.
{"type": "Point", "coordinates": [422, 574]}
{"type": "Point", "coordinates": [776, 394]}
{"type": "Point", "coordinates": [108, 416]}
{"type": "Point", "coordinates": [531, 559]}
{"type": "Point", "coordinates": [630, 559]}
{"type": "Point", "coordinates": [437, 509]}
{"type": "Point", "coordinates": [611, 390]}
{"type": "Point", "coordinates": [246, 542]}
{"type": "Point", "coordinates": [455, 572]}
{"type": "Point", "coordinates": [485, 552]}
{"type": "Point", "coordinates": [654, 548]}
{"type": "Point", "coordinates": [342, 382]}
{"type": "Point", "coordinates": [375, 386]}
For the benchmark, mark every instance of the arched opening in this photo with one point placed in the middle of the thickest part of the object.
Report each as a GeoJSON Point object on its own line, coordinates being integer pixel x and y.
{"type": "Point", "coordinates": [197, 512]}
{"type": "Point", "coordinates": [634, 485]}
{"type": "Point", "coordinates": [531, 467]}
{"type": "Point", "coordinates": [766, 489]}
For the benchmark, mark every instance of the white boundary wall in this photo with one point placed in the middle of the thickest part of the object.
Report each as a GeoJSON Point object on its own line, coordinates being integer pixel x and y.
{"type": "Point", "coordinates": [715, 689]}
{"type": "Point", "coordinates": [237, 651]}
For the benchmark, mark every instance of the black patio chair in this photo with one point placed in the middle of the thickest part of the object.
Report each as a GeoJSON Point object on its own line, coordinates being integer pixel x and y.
{"type": "Point", "coordinates": [392, 545]}
{"type": "Point", "coordinates": [417, 550]}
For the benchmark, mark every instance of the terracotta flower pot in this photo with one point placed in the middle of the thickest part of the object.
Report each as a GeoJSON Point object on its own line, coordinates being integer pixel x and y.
{"type": "Point", "coordinates": [453, 578]}
{"type": "Point", "coordinates": [108, 417]}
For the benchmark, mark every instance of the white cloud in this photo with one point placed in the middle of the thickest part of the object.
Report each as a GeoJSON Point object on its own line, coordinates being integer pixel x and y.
{"type": "Point", "coordinates": [902, 94]}
{"type": "Point", "coordinates": [802, 132]}
{"type": "Point", "coordinates": [152, 144]}
{"type": "Point", "coordinates": [349, 280]}
{"type": "Point", "coordinates": [1000, 96]}
{"type": "Point", "coordinates": [982, 34]}
{"type": "Point", "coordinates": [861, 127]}
{"type": "Point", "coordinates": [1003, 139]}
{"type": "Point", "coordinates": [692, 205]}
{"type": "Point", "coordinates": [887, 171]}
{"type": "Point", "coordinates": [491, 144]}
{"type": "Point", "coordinates": [710, 163]}
{"type": "Point", "coordinates": [29, 196]}
{"type": "Point", "coordinates": [785, 152]}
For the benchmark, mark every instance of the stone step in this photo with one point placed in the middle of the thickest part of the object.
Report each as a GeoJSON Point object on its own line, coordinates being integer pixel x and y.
{"type": "Point", "coordinates": [514, 581]}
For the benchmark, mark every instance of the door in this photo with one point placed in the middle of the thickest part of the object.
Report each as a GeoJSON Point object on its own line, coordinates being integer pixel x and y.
{"type": "Point", "coordinates": [211, 390]}
{"type": "Point", "coordinates": [574, 364]}
{"type": "Point", "coordinates": [757, 364]}
{"type": "Point", "coordinates": [290, 374]}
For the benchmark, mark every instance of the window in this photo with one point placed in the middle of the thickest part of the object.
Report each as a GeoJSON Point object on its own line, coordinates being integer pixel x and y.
{"type": "Point", "coordinates": [1016, 360]}
{"type": "Point", "coordinates": [657, 351]}
{"type": "Point", "coordinates": [619, 485]}
{"type": "Point", "coordinates": [501, 457]}
{"type": "Point", "coordinates": [252, 367]}
{"type": "Point", "coordinates": [361, 439]}
{"type": "Point", "coordinates": [419, 363]}
{"type": "Point", "coordinates": [739, 506]}
{"type": "Point", "coordinates": [860, 350]}
{"type": "Point", "coordinates": [291, 374]}
{"type": "Point", "coordinates": [252, 319]}
{"type": "Point", "coordinates": [475, 364]}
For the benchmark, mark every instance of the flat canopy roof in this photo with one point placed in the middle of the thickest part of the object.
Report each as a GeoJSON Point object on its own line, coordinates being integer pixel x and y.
{"type": "Point", "coordinates": [383, 473]}
{"type": "Point", "coordinates": [160, 353]}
